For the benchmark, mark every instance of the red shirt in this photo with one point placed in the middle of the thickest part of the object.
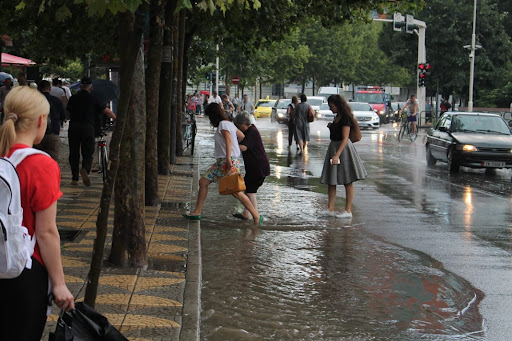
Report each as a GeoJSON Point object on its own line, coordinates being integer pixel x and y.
{"type": "Point", "coordinates": [40, 188]}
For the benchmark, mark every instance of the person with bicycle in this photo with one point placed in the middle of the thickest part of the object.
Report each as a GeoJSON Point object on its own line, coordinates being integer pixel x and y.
{"type": "Point", "coordinates": [411, 108]}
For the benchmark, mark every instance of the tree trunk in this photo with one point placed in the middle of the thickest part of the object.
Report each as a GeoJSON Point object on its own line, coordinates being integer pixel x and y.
{"type": "Point", "coordinates": [165, 93]}
{"type": "Point", "coordinates": [130, 39]}
{"type": "Point", "coordinates": [180, 96]}
{"type": "Point", "coordinates": [128, 239]}
{"type": "Point", "coordinates": [174, 90]}
{"type": "Point", "coordinates": [154, 61]}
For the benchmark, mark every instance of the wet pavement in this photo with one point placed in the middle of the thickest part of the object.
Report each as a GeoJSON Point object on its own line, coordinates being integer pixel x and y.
{"type": "Point", "coordinates": [426, 256]}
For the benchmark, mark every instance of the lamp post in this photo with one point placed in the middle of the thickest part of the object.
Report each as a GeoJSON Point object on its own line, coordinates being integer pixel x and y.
{"type": "Point", "coordinates": [472, 61]}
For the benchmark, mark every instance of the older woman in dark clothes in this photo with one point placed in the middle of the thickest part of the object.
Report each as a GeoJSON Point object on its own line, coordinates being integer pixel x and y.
{"type": "Point", "coordinates": [257, 165]}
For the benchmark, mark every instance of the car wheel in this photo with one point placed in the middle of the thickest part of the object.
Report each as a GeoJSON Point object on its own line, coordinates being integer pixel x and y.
{"type": "Point", "coordinates": [453, 163]}
{"type": "Point", "coordinates": [431, 161]}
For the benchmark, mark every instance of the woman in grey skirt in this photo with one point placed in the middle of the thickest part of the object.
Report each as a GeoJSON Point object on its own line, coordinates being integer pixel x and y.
{"type": "Point", "coordinates": [342, 165]}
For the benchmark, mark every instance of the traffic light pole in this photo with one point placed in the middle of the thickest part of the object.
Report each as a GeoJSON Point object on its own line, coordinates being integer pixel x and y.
{"type": "Point", "coordinates": [419, 27]}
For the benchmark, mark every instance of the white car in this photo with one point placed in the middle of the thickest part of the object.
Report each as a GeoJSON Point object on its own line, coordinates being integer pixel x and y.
{"type": "Point", "coordinates": [324, 113]}
{"type": "Point", "coordinates": [365, 115]}
{"type": "Point", "coordinates": [316, 101]}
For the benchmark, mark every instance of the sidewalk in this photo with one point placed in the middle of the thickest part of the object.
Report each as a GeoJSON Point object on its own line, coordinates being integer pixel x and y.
{"type": "Point", "coordinates": [157, 303]}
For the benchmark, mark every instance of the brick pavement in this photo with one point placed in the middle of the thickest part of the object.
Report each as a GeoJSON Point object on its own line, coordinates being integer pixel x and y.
{"type": "Point", "coordinates": [157, 303]}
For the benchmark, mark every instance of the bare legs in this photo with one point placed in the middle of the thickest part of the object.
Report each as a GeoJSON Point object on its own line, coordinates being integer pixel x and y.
{"type": "Point", "coordinates": [201, 196]}
{"type": "Point", "coordinates": [244, 199]}
{"type": "Point", "coordinates": [254, 202]}
{"type": "Point", "coordinates": [302, 145]}
{"type": "Point", "coordinates": [331, 194]}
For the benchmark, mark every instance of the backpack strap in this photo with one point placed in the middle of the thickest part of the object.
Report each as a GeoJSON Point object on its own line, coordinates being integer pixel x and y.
{"type": "Point", "coordinates": [20, 155]}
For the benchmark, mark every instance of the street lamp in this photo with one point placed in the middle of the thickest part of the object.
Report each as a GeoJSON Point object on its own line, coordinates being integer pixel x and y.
{"type": "Point", "coordinates": [472, 61]}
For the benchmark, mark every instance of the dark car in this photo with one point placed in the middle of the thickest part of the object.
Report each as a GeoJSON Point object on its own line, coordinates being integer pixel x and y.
{"type": "Point", "coordinates": [279, 109]}
{"type": "Point", "coordinates": [476, 140]}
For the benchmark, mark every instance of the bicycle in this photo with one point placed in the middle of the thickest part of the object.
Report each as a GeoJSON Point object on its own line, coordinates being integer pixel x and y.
{"type": "Point", "coordinates": [189, 131]}
{"type": "Point", "coordinates": [406, 127]}
{"type": "Point", "coordinates": [102, 156]}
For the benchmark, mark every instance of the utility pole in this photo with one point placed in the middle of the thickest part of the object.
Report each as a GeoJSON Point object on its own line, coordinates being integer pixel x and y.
{"type": "Point", "coordinates": [472, 62]}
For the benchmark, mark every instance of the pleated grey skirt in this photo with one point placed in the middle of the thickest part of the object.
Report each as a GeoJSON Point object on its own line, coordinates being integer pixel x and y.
{"type": "Point", "coordinates": [350, 169]}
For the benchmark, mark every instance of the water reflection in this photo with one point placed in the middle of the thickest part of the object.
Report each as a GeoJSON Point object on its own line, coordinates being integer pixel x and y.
{"type": "Point", "coordinates": [328, 285]}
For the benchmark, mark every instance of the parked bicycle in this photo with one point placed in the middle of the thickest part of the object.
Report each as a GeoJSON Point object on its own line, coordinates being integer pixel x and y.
{"type": "Point", "coordinates": [102, 156]}
{"type": "Point", "coordinates": [406, 128]}
{"type": "Point", "coordinates": [189, 131]}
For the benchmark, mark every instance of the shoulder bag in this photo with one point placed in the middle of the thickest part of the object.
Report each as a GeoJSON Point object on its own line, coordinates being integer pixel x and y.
{"type": "Point", "coordinates": [311, 114]}
{"type": "Point", "coordinates": [355, 132]}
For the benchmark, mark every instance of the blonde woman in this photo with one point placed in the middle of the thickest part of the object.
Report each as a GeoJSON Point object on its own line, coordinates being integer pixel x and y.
{"type": "Point", "coordinates": [24, 300]}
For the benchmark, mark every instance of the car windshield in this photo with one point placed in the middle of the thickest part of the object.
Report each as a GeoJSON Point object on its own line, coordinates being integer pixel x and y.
{"type": "Point", "coordinates": [480, 124]}
{"type": "Point", "coordinates": [266, 104]}
{"type": "Point", "coordinates": [369, 98]}
{"type": "Point", "coordinates": [315, 102]}
{"type": "Point", "coordinates": [283, 104]}
{"type": "Point", "coordinates": [360, 106]}
{"type": "Point", "coordinates": [324, 106]}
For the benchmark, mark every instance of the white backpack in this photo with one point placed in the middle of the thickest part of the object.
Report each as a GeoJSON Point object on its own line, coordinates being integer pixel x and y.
{"type": "Point", "coordinates": [16, 245]}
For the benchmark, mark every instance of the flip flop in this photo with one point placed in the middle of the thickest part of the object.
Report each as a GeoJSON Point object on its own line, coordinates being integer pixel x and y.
{"type": "Point", "coordinates": [191, 217]}
{"type": "Point", "coordinates": [261, 219]}
{"type": "Point", "coordinates": [240, 216]}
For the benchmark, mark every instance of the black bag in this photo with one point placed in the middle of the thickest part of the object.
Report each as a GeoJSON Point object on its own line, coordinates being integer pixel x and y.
{"type": "Point", "coordinates": [85, 324]}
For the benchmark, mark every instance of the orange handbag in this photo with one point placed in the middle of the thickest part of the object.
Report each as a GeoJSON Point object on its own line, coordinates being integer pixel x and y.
{"type": "Point", "coordinates": [230, 184]}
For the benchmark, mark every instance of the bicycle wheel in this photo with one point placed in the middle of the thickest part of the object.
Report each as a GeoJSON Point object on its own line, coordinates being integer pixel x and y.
{"type": "Point", "coordinates": [401, 132]}
{"type": "Point", "coordinates": [103, 162]}
{"type": "Point", "coordinates": [412, 135]}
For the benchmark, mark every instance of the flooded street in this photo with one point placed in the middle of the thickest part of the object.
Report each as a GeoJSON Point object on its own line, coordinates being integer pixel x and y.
{"type": "Point", "coordinates": [401, 269]}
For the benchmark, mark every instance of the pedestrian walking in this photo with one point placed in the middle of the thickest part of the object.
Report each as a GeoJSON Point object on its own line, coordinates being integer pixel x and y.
{"type": "Point", "coordinates": [290, 111]}
{"type": "Point", "coordinates": [24, 300]}
{"type": "Point", "coordinates": [257, 165]}
{"type": "Point", "coordinates": [342, 164]}
{"type": "Point", "coordinates": [228, 107]}
{"type": "Point", "coordinates": [302, 123]}
{"type": "Point", "coordinates": [51, 141]}
{"type": "Point", "coordinates": [85, 111]}
{"type": "Point", "coordinates": [227, 152]}
{"type": "Point", "coordinates": [248, 107]}
{"type": "Point", "coordinates": [214, 98]}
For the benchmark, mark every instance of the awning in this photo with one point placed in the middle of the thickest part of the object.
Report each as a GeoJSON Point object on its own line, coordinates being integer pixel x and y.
{"type": "Point", "coordinates": [10, 59]}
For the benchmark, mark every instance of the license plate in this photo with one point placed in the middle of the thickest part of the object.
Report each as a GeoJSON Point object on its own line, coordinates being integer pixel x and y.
{"type": "Point", "coordinates": [493, 164]}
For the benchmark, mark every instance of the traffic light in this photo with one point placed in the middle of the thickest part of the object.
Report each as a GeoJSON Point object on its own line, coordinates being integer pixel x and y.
{"type": "Point", "coordinates": [208, 76]}
{"type": "Point", "coordinates": [214, 78]}
{"type": "Point", "coordinates": [423, 74]}
{"type": "Point", "coordinates": [410, 26]}
{"type": "Point", "coordinates": [398, 21]}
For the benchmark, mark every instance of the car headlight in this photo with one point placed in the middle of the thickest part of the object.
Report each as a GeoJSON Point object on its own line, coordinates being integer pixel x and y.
{"type": "Point", "coordinates": [375, 117]}
{"type": "Point", "coordinates": [469, 148]}
{"type": "Point", "coordinates": [280, 115]}
{"type": "Point", "coordinates": [381, 112]}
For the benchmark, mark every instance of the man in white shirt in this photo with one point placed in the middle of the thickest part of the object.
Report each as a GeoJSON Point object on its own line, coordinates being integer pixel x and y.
{"type": "Point", "coordinates": [214, 98]}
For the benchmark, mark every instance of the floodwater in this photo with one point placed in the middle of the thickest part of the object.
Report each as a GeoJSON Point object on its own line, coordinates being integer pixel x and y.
{"type": "Point", "coordinates": [304, 277]}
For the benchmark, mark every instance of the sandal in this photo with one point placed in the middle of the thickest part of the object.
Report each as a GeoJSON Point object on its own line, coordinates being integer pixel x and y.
{"type": "Point", "coordinates": [240, 216]}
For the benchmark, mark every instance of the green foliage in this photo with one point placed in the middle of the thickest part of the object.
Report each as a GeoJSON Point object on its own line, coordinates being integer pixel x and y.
{"type": "Point", "coordinates": [449, 28]}
{"type": "Point", "coordinates": [72, 69]}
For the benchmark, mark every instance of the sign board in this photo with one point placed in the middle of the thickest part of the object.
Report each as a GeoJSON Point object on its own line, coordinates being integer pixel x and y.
{"type": "Point", "coordinates": [235, 80]}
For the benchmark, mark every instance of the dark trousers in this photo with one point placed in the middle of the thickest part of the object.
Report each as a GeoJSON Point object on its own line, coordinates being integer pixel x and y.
{"type": "Point", "coordinates": [291, 133]}
{"type": "Point", "coordinates": [81, 139]}
{"type": "Point", "coordinates": [23, 304]}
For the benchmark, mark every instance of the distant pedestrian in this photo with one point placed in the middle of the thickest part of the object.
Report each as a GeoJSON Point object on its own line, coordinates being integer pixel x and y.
{"type": "Point", "coordinates": [257, 165]}
{"type": "Point", "coordinates": [248, 107]}
{"type": "Point", "coordinates": [302, 123]}
{"type": "Point", "coordinates": [290, 111]}
{"type": "Point", "coordinates": [227, 153]}
{"type": "Point", "coordinates": [57, 91]}
{"type": "Point", "coordinates": [342, 164]}
{"type": "Point", "coordinates": [229, 108]}
{"type": "Point", "coordinates": [236, 102]}
{"type": "Point", "coordinates": [199, 104]}
{"type": "Point", "coordinates": [51, 141]}
{"type": "Point", "coordinates": [214, 98]}
{"type": "Point", "coordinates": [25, 300]}
{"type": "Point", "coordinates": [84, 111]}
